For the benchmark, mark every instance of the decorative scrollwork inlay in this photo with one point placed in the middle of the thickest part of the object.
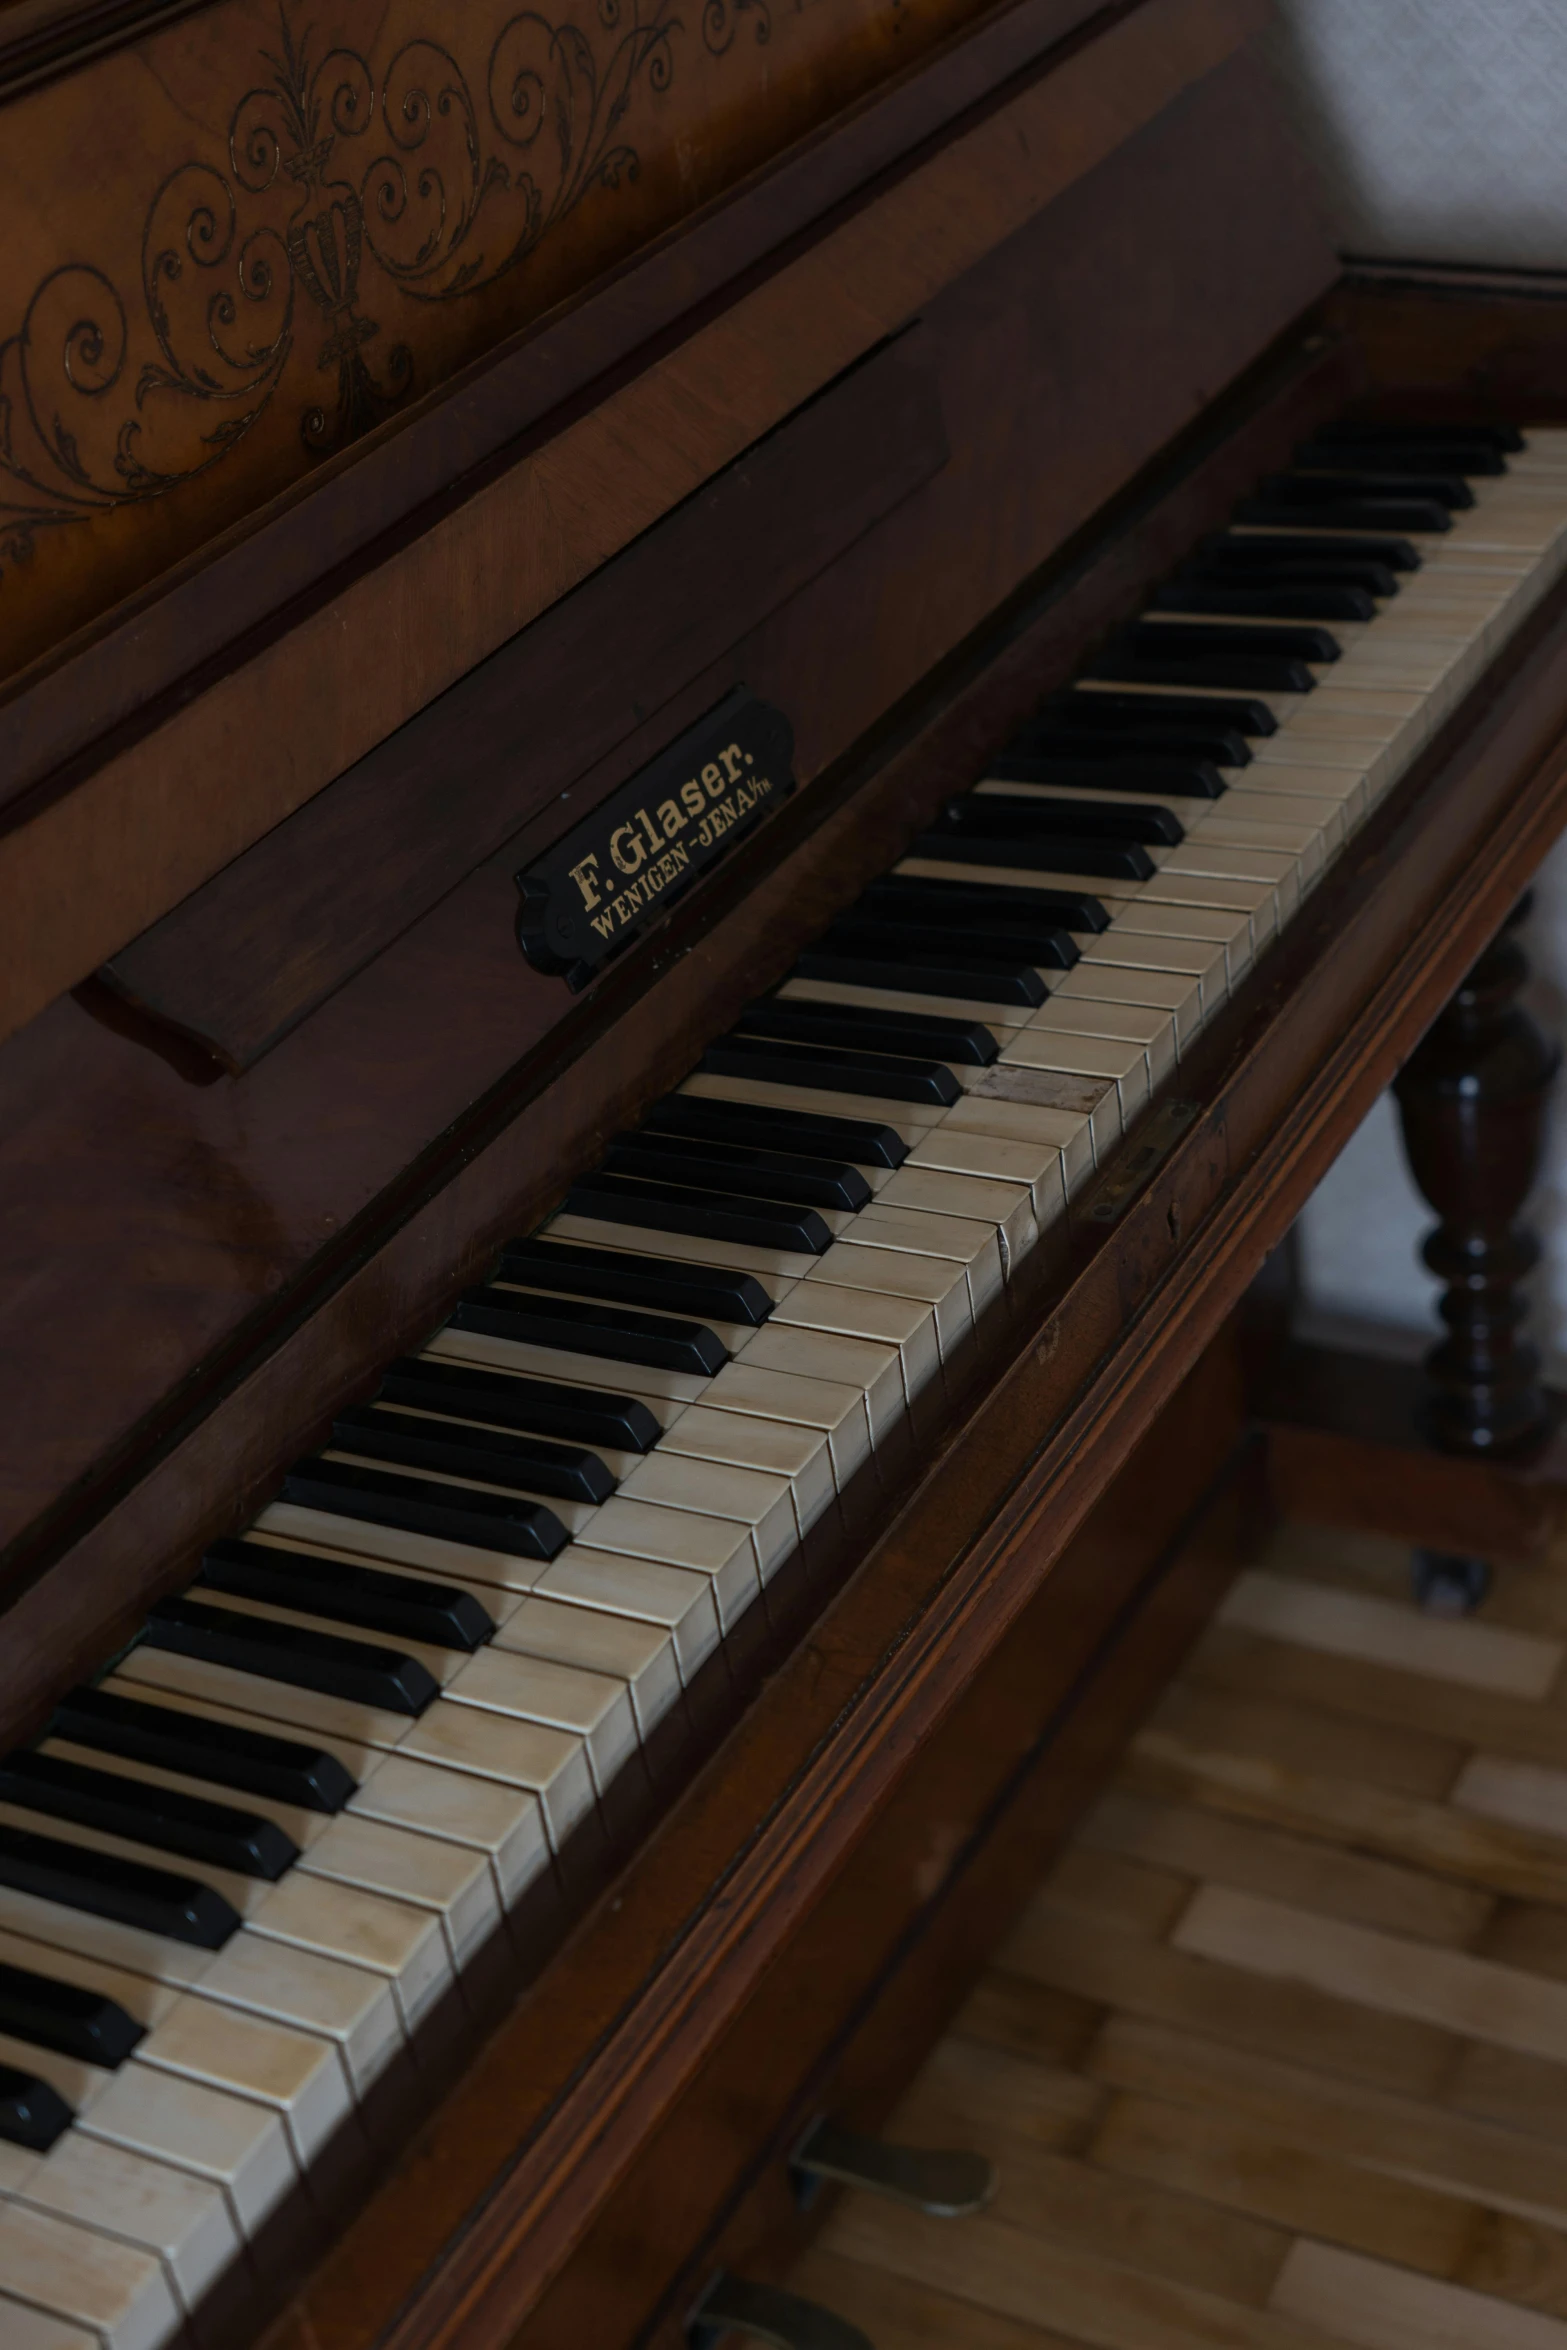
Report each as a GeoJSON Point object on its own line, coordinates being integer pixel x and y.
{"type": "Point", "coordinates": [339, 175]}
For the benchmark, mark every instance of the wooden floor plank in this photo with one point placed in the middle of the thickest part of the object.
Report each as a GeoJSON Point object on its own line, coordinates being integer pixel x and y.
{"type": "Point", "coordinates": [1366, 2301]}
{"type": "Point", "coordinates": [1473, 1998]}
{"type": "Point", "coordinates": [1247, 2167]}
{"type": "Point", "coordinates": [900, 2314]}
{"type": "Point", "coordinates": [1248, 2011]}
{"type": "Point", "coordinates": [967, 2092]}
{"type": "Point", "coordinates": [1342, 1691]}
{"type": "Point", "coordinates": [1526, 1795]}
{"type": "Point", "coordinates": [1310, 1737]}
{"type": "Point", "coordinates": [1005, 2270]}
{"type": "Point", "coordinates": [1461, 1651]}
{"type": "Point", "coordinates": [1276, 2057]}
{"type": "Point", "coordinates": [1486, 1853]}
{"type": "Point", "coordinates": [1354, 2122]}
{"type": "Point", "coordinates": [1318, 1876]}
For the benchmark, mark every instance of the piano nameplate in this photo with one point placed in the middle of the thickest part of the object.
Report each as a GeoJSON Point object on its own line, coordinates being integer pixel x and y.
{"type": "Point", "coordinates": [601, 885]}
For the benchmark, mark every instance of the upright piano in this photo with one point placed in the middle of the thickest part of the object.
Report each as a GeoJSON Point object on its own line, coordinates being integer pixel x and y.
{"type": "Point", "coordinates": [732, 739]}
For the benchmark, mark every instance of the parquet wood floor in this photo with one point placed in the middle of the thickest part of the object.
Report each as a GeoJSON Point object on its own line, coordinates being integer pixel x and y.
{"type": "Point", "coordinates": [1276, 2058]}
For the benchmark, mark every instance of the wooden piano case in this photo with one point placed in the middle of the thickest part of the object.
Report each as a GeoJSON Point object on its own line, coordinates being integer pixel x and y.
{"type": "Point", "coordinates": [893, 426]}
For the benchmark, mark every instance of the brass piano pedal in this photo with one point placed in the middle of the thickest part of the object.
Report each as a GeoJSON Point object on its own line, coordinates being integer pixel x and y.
{"type": "Point", "coordinates": [766, 2313]}
{"type": "Point", "coordinates": [946, 2182]}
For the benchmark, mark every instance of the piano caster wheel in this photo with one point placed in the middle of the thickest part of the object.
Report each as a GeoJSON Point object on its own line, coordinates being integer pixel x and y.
{"type": "Point", "coordinates": [946, 2183]}
{"type": "Point", "coordinates": [1449, 1582]}
{"type": "Point", "coordinates": [766, 2313]}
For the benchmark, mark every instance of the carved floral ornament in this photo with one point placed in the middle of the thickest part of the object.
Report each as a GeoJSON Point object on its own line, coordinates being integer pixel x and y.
{"type": "Point", "coordinates": [338, 178]}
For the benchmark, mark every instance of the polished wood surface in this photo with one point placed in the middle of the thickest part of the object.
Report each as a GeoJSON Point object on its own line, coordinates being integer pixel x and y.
{"type": "Point", "coordinates": [104, 846]}
{"type": "Point", "coordinates": [1472, 1102]}
{"type": "Point", "coordinates": [430, 1138]}
{"type": "Point", "coordinates": [244, 960]}
{"type": "Point", "coordinates": [1275, 2055]}
{"type": "Point", "coordinates": [300, 222]}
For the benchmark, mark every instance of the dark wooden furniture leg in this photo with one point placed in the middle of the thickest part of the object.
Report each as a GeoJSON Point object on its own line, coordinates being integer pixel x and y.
{"type": "Point", "coordinates": [1467, 1458]}
{"type": "Point", "coordinates": [1471, 1099]}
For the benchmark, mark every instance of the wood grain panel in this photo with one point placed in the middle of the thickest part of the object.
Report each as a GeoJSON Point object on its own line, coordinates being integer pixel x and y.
{"type": "Point", "coordinates": [158, 816]}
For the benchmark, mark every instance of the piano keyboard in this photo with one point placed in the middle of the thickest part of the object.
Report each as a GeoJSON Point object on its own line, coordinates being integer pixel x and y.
{"type": "Point", "coordinates": [245, 1874]}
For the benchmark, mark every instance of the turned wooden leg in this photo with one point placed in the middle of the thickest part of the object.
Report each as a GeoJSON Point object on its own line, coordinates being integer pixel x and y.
{"type": "Point", "coordinates": [1472, 1102]}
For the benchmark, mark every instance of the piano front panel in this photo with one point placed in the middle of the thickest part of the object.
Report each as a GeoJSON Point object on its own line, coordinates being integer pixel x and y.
{"type": "Point", "coordinates": [220, 1226]}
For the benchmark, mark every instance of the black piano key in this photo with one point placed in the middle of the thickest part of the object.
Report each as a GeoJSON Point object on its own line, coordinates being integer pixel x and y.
{"type": "Point", "coordinates": [168, 1739]}
{"type": "Point", "coordinates": [617, 1333]}
{"type": "Point", "coordinates": [653, 1206]}
{"type": "Point", "coordinates": [577, 1415]}
{"type": "Point", "coordinates": [1085, 746]}
{"type": "Point", "coordinates": [1055, 852]}
{"type": "Point", "coordinates": [1258, 673]}
{"type": "Point", "coordinates": [1504, 439]}
{"type": "Point", "coordinates": [197, 1829]}
{"type": "Point", "coordinates": [1193, 713]}
{"type": "Point", "coordinates": [1011, 815]}
{"type": "Point", "coordinates": [66, 2017]}
{"type": "Point", "coordinates": [1330, 474]}
{"type": "Point", "coordinates": [1256, 550]}
{"type": "Point", "coordinates": [1276, 508]}
{"type": "Point", "coordinates": [1189, 779]}
{"type": "Point", "coordinates": [1003, 911]}
{"type": "Point", "coordinates": [733, 1167]}
{"type": "Point", "coordinates": [349, 1669]}
{"type": "Point", "coordinates": [32, 2113]}
{"type": "Point", "coordinates": [442, 1615]}
{"type": "Point", "coordinates": [855, 1139]}
{"type": "Point", "coordinates": [1382, 456]}
{"type": "Point", "coordinates": [856, 1029]}
{"type": "Point", "coordinates": [453, 1513]}
{"type": "Point", "coordinates": [851, 961]}
{"type": "Point", "coordinates": [879, 931]}
{"type": "Point", "coordinates": [107, 1885]}
{"type": "Point", "coordinates": [700, 1292]}
{"type": "Point", "coordinates": [1328, 600]}
{"type": "Point", "coordinates": [878, 1076]}
{"type": "Point", "coordinates": [1218, 639]}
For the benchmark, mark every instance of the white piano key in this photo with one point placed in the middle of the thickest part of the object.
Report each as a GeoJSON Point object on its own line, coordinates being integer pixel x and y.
{"type": "Point", "coordinates": [451, 1880]}
{"type": "Point", "coordinates": [1119, 955]}
{"type": "Point", "coordinates": [297, 2072]}
{"type": "Point", "coordinates": [1230, 932]}
{"type": "Point", "coordinates": [746, 1496]}
{"type": "Point", "coordinates": [902, 1117]}
{"type": "Point", "coordinates": [186, 2222]}
{"type": "Point", "coordinates": [804, 1353]}
{"type": "Point", "coordinates": [951, 1149]}
{"type": "Point", "coordinates": [715, 1547]}
{"type": "Point", "coordinates": [35, 2329]}
{"type": "Point", "coordinates": [736, 1255]}
{"type": "Point", "coordinates": [1077, 1118]}
{"type": "Point", "coordinates": [900, 1322]}
{"type": "Point", "coordinates": [781, 1448]}
{"type": "Point", "coordinates": [352, 2005]}
{"type": "Point", "coordinates": [911, 1220]}
{"type": "Point", "coordinates": [838, 1411]}
{"type": "Point", "coordinates": [240, 2146]}
{"type": "Point", "coordinates": [1167, 991]}
{"type": "Point", "coordinates": [995, 1017]}
{"type": "Point", "coordinates": [504, 1824]}
{"type": "Point", "coordinates": [1131, 1047]}
{"type": "Point", "coordinates": [683, 1604]}
{"type": "Point", "coordinates": [638, 1655]}
{"type": "Point", "coordinates": [552, 1764]}
{"type": "Point", "coordinates": [572, 1370]}
{"type": "Point", "coordinates": [589, 1706]}
{"type": "Point", "coordinates": [121, 2293]}
{"type": "Point", "coordinates": [938, 1282]}
{"type": "Point", "coordinates": [320, 1917]}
